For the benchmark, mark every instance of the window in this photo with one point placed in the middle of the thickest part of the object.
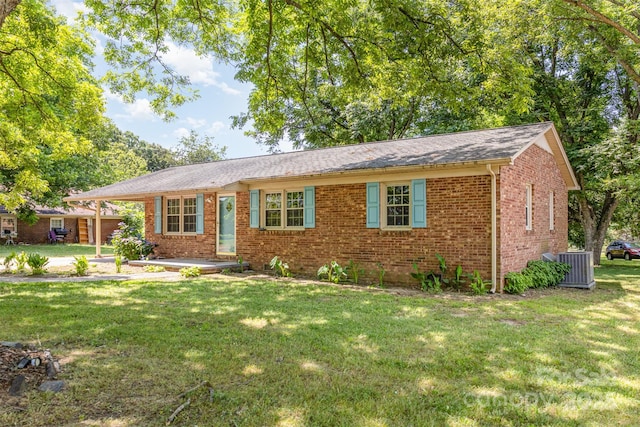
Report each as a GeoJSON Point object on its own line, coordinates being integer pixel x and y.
{"type": "Point", "coordinates": [56, 223]}
{"type": "Point", "coordinates": [398, 205]}
{"type": "Point", "coordinates": [551, 212]}
{"type": "Point", "coordinates": [284, 215]}
{"type": "Point", "coordinates": [7, 223]}
{"type": "Point", "coordinates": [273, 209]}
{"type": "Point", "coordinates": [528, 208]}
{"type": "Point", "coordinates": [180, 215]}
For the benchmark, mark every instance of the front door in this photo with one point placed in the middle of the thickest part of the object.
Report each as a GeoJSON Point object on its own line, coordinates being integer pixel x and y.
{"type": "Point", "coordinates": [226, 225]}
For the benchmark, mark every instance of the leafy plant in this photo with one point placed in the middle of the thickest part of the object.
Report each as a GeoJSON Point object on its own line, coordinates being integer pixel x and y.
{"type": "Point", "coordinates": [154, 268]}
{"type": "Point", "coordinates": [458, 279]}
{"type": "Point", "coordinates": [442, 264]}
{"type": "Point", "coordinates": [477, 285]}
{"type": "Point", "coordinates": [354, 271]}
{"type": "Point", "coordinates": [333, 272]}
{"type": "Point", "coordinates": [118, 262]}
{"type": "Point", "coordinates": [517, 283]}
{"type": "Point", "coordinates": [279, 267]}
{"type": "Point", "coordinates": [129, 243]}
{"type": "Point", "coordinates": [81, 264]}
{"type": "Point", "coordinates": [9, 261]}
{"type": "Point", "coordinates": [21, 261]}
{"type": "Point", "coordinates": [194, 271]}
{"type": "Point", "coordinates": [37, 263]}
{"type": "Point", "coordinates": [429, 281]}
{"type": "Point", "coordinates": [381, 272]}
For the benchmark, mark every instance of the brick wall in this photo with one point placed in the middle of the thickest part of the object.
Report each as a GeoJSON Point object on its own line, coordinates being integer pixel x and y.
{"type": "Point", "coordinates": [202, 246]}
{"type": "Point", "coordinates": [38, 232]}
{"type": "Point", "coordinates": [458, 216]}
{"type": "Point", "coordinates": [517, 245]}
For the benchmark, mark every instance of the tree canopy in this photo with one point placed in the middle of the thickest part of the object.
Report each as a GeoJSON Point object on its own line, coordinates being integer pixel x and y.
{"type": "Point", "coordinates": [343, 72]}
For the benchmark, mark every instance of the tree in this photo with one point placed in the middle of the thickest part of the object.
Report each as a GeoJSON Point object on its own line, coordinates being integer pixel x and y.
{"type": "Point", "coordinates": [334, 73]}
{"type": "Point", "coordinates": [49, 100]}
{"type": "Point", "coordinates": [193, 149]}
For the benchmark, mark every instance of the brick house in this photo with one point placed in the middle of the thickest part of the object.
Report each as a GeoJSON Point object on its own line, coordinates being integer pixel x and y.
{"type": "Point", "coordinates": [78, 221]}
{"type": "Point", "coordinates": [488, 200]}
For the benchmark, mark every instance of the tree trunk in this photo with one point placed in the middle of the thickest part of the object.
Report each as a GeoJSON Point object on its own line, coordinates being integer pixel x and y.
{"type": "Point", "coordinates": [596, 224]}
{"type": "Point", "coordinates": [6, 7]}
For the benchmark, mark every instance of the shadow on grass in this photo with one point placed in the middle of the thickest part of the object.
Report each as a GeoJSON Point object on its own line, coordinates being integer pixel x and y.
{"type": "Point", "coordinates": [291, 354]}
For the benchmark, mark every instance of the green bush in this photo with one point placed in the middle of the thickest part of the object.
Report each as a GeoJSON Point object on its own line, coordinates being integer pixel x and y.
{"type": "Point", "coordinates": [129, 243]}
{"type": "Point", "coordinates": [37, 263]}
{"type": "Point", "coordinates": [81, 264]}
{"type": "Point", "coordinates": [517, 283]}
{"type": "Point", "coordinates": [537, 274]}
{"type": "Point", "coordinates": [194, 271]}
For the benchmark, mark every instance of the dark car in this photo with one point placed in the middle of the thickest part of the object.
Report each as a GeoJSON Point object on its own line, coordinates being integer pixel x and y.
{"type": "Point", "coordinates": [622, 249]}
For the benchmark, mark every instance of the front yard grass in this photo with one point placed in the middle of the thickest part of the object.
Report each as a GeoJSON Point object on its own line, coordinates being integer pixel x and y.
{"type": "Point", "coordinates": [286, 353]}
{"type": "Point", "coordinates": [57, 250]}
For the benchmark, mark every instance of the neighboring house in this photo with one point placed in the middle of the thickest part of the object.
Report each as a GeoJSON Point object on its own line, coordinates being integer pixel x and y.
{"type": "Point", "coordinates": [78, 221]}
{"type": "Point", "coordinates": [488, 200]}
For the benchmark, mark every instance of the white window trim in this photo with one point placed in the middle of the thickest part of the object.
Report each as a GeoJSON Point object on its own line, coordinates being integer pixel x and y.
{"type": "Point", "coordinates": [283, 209]}
{"type": "Point", "coordinates": [529, 208]}
{"type": "Point", "coordinates": [383, 206]}
{"type": "Point", "coordinates": [552, 214]}
{"type": "Point", "coordinates": [15, 223]}
{"type": "Point", "coordinates": [165, 215]}
{"type": "Point", "coordinates": [51, 220]}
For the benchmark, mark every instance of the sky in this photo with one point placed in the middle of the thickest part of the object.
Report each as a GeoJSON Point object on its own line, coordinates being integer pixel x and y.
{"type": "Point", "coordinates": [221, 97]}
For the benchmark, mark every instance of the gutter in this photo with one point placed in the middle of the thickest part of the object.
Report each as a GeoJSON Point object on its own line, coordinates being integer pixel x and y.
{"type": "Point", "coordinates": [494, 229]}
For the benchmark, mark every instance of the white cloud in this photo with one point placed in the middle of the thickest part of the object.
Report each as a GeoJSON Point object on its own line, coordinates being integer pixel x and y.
{"type": "Point", "coordinates": [216, 127]}
{"type": "Point", "coordinates": [199, 69]}
{"type": "Point", "coordinates": [196, 123]}
{"type": "Point", "coordinates": [181, 133]}
{"type": "Point", "coordinates": [69, 8]}
{"type": "Point", "coordinates": [139, 110]}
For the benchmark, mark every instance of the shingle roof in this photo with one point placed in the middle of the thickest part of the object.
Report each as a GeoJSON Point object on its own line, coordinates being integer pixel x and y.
{"type": "Point", "coordinates": [454, 148]}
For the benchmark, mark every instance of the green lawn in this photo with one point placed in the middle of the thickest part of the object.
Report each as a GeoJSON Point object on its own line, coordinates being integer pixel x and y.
{"type": "Point", "coordinates": [59, 250]}
{"type": "Point", "coordinates": [282, 353]}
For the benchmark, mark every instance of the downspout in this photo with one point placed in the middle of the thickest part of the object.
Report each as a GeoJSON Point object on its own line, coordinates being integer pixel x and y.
{"type": "Point", "coordinates": [494, 229]}
{"type": "Point", "coordinates": [98, 230]}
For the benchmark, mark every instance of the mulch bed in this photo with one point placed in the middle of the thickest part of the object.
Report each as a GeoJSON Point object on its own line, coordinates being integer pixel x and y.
{"type": "Point", "coordinates": [35, 366]}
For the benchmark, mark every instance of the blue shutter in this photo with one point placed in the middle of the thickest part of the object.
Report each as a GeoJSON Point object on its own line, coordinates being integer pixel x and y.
{"type": "Point", "coordinates": [309, 207]}
{"type": "Point", "coordinates": [254, 208]}
{"type": "Point", "coordinates": [419, 203]}
{"type": "Point", "coordinates": [373, 205]}
{"type": "Point", "coordinates": [157, 213]}
{"type": "Point", "coordinates": [200, 213]}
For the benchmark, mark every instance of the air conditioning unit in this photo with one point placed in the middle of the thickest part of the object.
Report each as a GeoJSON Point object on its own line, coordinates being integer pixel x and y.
{"type": "Point", "coordinates": [581, 274]}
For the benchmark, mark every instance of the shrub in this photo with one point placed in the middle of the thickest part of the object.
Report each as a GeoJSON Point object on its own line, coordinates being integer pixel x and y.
{"type": "Point", "coordinates": [37, 263]}
{"type": "Point", "coordinates": [517, 283]}
{"type": "Point", "coordinates": [194, 271]}
{"type": "Point", "coordinates": [129, 243]}
{"type": "Point", "coordinates": [537, 274]}
{"type": "Point", "coordinates": [332, 272]}
{"type": "Point", "coordinates": [81, 264]}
